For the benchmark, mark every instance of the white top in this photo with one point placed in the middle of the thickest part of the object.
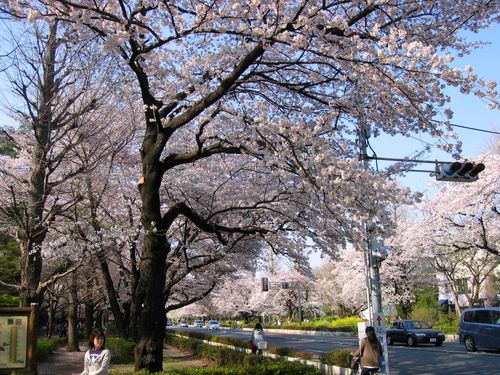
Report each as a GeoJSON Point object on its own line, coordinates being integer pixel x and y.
{"type": "Point", "coordinates": [96, 365]}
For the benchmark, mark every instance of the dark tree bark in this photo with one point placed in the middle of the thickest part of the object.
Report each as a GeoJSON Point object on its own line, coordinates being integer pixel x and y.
{"type": "Point", "coordinates": [89, 318]}
{"type": "Point", "coordinates": [151, 332]}
{"type": "Point", "coordinates": [72, 314]}
{"type": "Point", "coordinates": [112, 298]}
{"type": "Point", "coordinates": [149, 294]}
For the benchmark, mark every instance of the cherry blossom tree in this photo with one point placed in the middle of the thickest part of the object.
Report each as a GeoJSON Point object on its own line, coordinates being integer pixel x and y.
{"type": "Point", "coordinates": [55, 94]}
{"type": "Point", "coordinates": [405, 270]}
{"type": "Point", "coordinates": [281, 85]}
{"type": "Point", "coordinates": [350, 282]}
{"type": "Point", "coordinates": [457, 230]}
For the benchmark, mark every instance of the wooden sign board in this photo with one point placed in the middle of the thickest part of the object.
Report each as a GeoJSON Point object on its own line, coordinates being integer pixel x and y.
{"type": "Point", "coordinates": [18, 340]}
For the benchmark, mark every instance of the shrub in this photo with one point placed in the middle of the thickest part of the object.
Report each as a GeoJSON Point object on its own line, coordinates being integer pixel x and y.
{"type": "Point", "coordinates": [425, 308]}
{"type": "Point", "coordinates": [331, 324]}
{"type": "Point", "coordinates": [122, 350]}
{"type": "Point", "coordinates": [449, 324]}
{"type": "Point", "coordinates": [235, 362]}
{"type": "Point", "coordinates": [338, 358]}
{"type": "Point", "coordinates": [282, 351]}
{"type": "Point", "coordinates": [45, 347]}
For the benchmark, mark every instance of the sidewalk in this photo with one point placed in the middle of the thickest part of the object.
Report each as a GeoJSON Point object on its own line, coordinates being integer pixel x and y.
{"type": "Point", "coordinates": [62, 362]}
{"type": "Point", "coordinates": [66, 363]}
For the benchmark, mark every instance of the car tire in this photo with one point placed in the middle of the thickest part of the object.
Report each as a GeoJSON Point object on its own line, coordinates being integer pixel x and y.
{"type": "Point", "coordinates": [439, 343]}
{"type": "Point", "coordinates": [411, 341]}
{"type": "Point", "coordinates": [390, 341]}
{"type": "Point", "coordinates": [470, 344]}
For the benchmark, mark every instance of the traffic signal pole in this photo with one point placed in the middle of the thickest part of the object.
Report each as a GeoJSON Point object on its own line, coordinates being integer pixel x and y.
{"type": "Point", "coordinates": [372, 264]}
{"type": "Point", "coordinates": [374, 294]}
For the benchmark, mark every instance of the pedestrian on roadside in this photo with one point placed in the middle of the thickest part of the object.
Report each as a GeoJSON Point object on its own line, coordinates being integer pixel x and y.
{"type": "Point", "coordinates": [369, 352]}
{"type": "Point", "coordinates": [257, 339]}
{"type": "Point", "coordinates": [97, 358]}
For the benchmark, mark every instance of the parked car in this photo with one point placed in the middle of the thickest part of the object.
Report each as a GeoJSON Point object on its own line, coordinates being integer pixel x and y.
{"type": "Point", "coordinates": [213, 324]}
{"type": "Point", "coordinates": [198, 323]}
{"type": "Point", "coordinates": [413, 332]}
{"type": "Point", "coordinates": [183, 323]}
{"type": "Point", "coordinates": [480, 328]}
{"type": "Point", "coordinates": [170, 323]}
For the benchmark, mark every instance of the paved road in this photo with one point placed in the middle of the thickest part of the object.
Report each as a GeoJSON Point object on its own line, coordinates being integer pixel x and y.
{"type": "Point", "coordinates": [450, 358]}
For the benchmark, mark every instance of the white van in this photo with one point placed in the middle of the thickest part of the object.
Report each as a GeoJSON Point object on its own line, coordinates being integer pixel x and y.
{"type": "Point", "coordinates": [480, 328]}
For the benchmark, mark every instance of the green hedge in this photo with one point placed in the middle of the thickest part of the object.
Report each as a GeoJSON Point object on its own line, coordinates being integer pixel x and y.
{"type": "Point", "coordinates": [231, 361]}
{"type": "Point", "coordinates": [338, 358]}
{"type": "Point", "coordinates": [122, 350]}
{"type": "Point", "coordinates": [328, 324]}
{"type": "Point", "coordinates": [282, 351]}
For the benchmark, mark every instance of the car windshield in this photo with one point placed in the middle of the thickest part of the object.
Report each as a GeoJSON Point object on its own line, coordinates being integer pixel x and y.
{"type": "Point", "coordinates": [417, 324]}
{"type": "Point", "coordinates": [214, 322]}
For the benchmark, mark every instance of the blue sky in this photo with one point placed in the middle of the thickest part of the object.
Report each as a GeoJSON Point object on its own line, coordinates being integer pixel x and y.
{"type": "Point", "coordinates": [468, 111]}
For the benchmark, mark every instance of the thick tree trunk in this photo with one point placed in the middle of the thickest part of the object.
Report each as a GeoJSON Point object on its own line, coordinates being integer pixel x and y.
{"type": "Point", "coordinates": [152, 320]}
{"type": "Point", "coordinates": [89, 318]}
{"type": "Point", "coordinates": [73, 315]}
{"type": "Point", "coordinates": [112, 298]}
{"type": "Point", "coordinates": [31, 270]}
{"type": "Point", "coordinates": [134, 310]}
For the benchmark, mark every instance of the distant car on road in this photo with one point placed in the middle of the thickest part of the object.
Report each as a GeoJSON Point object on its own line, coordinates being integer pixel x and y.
{"type": "Point", "coordinates": [213, 324]}
{"type": "Point", "coordinates": [183, 323]}
{"type": "Point", "coordinates": [198, 323]}
{"type": "Point", "coordinates": [413, 332]}
{"type": "Point", "coordinates": [480, 328]}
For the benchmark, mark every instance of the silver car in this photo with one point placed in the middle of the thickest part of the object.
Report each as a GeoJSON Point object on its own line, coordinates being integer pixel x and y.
{"type": "Point", "coordinates": [213, 324]}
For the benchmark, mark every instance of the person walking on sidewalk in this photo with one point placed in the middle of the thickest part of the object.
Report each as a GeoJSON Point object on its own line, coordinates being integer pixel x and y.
{"type": "Point", "coordinates": [97, 358]}
{"type": "Point", "coordinates": [369, 352]}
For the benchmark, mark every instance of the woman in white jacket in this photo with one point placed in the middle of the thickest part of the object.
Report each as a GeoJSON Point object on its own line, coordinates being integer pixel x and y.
{"type": "Point", "coordinates": [257, 337]}
{"type": "Point", "coordinates": [97, 358]}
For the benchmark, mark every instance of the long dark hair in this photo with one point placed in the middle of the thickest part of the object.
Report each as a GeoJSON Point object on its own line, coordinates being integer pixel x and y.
{"type": "Point", "coordinates": [258, 326]}
{"type": "Point", "coordinates": [370, 334]}
{"type": "Point", "coordinates": [96, 332]}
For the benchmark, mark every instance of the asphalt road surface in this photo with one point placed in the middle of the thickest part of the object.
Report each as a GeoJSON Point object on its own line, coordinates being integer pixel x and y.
{"type": "Point", "coordinates": [451, 358]}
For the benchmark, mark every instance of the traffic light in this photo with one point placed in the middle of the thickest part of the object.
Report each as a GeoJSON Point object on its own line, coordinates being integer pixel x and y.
{"type": "Point", "coordinates": [265, 284]}
{"type": "Point", "coordinates": [458, 172]}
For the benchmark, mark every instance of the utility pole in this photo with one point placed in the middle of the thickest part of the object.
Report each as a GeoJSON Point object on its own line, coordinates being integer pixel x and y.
{"type": "Point", "coordinates": [371, 263]}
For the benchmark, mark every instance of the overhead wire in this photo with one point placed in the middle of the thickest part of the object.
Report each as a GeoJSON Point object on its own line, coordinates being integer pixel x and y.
{"type": "Point", "coordinates": [470, 128]}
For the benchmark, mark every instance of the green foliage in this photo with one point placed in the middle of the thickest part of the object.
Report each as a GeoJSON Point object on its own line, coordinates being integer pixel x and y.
{"type": "Point", "coordinates": [188, 346]}
{"type": "Point", "coordinates": [234, 362]}
{"type": "Point", "coordinates": [331, 324]}
{"type": "Point", "coordinates": [10, 271]}
{"type": "Point", "coordinates": [267, 367]}
{"type": "Point", "coordinates": [122, 350]}
{"type": "Point", "coordinates": [338, 358]}
{"type": "Point", "coordinates": [7, 146]}
{"type": "Point", "coordinates": [449, 324]}
{"type": "Point", "coordinates": [7, 300]}
{"type": "Point", "coordinates": [45, 347]}
{"type": "Point", "coordinates": [282, 351]}
{"type": "Point", "coordinates": [425, 307]}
